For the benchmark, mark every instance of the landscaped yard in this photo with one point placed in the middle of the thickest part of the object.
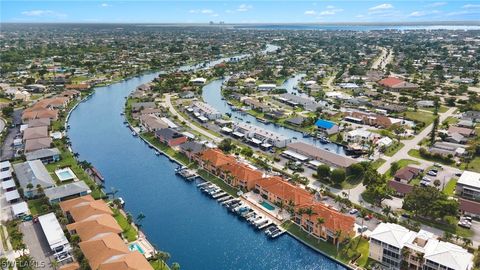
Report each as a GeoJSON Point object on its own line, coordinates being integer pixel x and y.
{"type": "Point", "coordinates": [159, 265]}
{"type": "Point", "coordinates": [36, 207]}
{"type": "Point", "coordinates": [128, 230]}
{"type": "Point", "coordinates": [326, 247]}
{"type": "Point", "coordinates": [394, 148]}
{"type": "Point", "coordinates": [416, 153]}
{"type": "Point", "coordinates": [150, 137]}
{"type": "Point", "coordinates": [67, 160]}
{"type": "Point", "coordinates": [449, 188]}
{"type": "Point", "coordinates": [420, 116]}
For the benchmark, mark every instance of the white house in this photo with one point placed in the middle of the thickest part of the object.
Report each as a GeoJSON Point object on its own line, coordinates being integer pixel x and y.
{"type": "Point", "coordinates": [397, 247]}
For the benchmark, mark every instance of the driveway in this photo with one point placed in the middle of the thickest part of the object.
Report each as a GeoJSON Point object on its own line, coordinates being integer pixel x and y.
{"type": "Point", "coordinates": [36, 243]}
{"type": "Point", "coordinates": [7, 150]}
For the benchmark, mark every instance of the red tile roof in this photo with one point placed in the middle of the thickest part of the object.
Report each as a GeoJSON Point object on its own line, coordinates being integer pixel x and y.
{"type": "Point", "coordinates": [333, 220]}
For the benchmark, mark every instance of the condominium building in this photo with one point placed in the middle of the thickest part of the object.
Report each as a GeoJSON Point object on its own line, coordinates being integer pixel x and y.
{"type": "Point", "coordinates": [468, 185]}
{"type": "Point", "coordinates": [396, 247]}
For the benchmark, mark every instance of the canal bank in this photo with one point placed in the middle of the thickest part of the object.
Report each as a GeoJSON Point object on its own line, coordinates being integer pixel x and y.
{"type": "Point", "coordinates": [193, 228]}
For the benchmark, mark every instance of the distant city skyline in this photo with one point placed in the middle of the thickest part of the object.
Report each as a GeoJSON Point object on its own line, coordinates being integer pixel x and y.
{"type": "Point", "coordinates": [237, 11]}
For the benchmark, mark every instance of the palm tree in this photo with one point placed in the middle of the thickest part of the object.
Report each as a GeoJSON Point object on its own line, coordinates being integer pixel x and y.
{"type": "Point", "coordinates": [139, 219]}
{"type": "Point", "coordinates": [320, 222]}
{"type": "Point", "coordinates": [466, 242]}
{"type": "Point", "coordinates": [54, 264]}
{"type": "Point", "coordinates": [387, 210]}
{"type": "Point", "coordinates": [337, 239]}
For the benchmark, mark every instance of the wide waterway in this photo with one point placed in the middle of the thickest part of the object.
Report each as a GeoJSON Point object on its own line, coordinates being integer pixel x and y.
{"type": "Point", "coordinates": [197, 231]}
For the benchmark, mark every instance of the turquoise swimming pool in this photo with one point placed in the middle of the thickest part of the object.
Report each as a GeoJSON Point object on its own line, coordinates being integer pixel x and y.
{"type": "Point", "coordinates": [268, 206]}
{"type": "Point", "coordinates": [135, 247]}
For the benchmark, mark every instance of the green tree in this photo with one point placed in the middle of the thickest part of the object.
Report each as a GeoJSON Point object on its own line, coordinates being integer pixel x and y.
{"type": "Point", "coordinates": [338, 176]}
{"type": "Point", "coordinates": [323, 172]}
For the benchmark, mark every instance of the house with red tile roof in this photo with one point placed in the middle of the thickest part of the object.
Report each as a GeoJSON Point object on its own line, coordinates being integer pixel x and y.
{"type": "Point", "coordinates": [397, 84]}
{"type": "Point", "coordinates": [324, 222]}
{"type": "Point", "coordinates": [275, 189]}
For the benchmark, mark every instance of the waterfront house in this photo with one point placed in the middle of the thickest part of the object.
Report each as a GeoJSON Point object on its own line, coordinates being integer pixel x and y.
{"type": "Point", "coordinates": [275, 189]}
{"type": "Point", "coordinates": [30, 175]}
{"type": "Point", "coordinates": [47, 156]}
{"type": "Point", "coordinates": [151, 122]}
{"type": "Point", "coordinates": [259, 135]}
{"type": "Point", "coordinates": [307, 103]}
{"type": "Point", "coordinates": [334, 226]}
{"type": "Point", "coordinates": [296, 121]}
{"type": "Point", "coordinates": [108, 251]}
{"type": "Point", "coordinates": [198, 81]}
{"type": "Point", "coordinates": [256, 105]}
{"type": "Point", "coordinates": [40, 122]}
{"type": "Point", "coordinates": [101, 244]}
{"type": "Point", "coordinates": [31, 133]}
{"type": "Point", "coordinates": [67, 191]}
{"type": "Point", "coordinates": [370, 119]}
{"type": "Point", "coordinates": [406, 174]}
{"type": "Point", "coordinates": [170, 137]}
{"type": "Point", "coordinates": [82, 207]}
{"type": "Point", "coordinates": [212, 159]}
{"type": "Point", "coordinates": [36, 113]}
{"type": "Point", "coordinates": [205, 110]}
{"type": "Point", "coordinates": [468, 186]}
{"type": "Point", "coordinates": [396, 247]}
{"type": "Point", "coordinates": [240, 175]}
{"type": "Point", "coordinates": [37, 144]}
{"type": "Point", "coordinates": [322, 155]}
{"type": "Point", "coordinates": [327, 127]}
{"type": "Point", "coordinates": [93, 225]}
{"type": "Point", "coordinates": [139, 106]}
{"type": "Point", "coordinates": [266, 87]}
{"type": "Point", "coordinates": [192, 148]}
{"type": "Point", "coordinates": [361, 136]}
{"type": "Point", "coordinates": [79, 87]}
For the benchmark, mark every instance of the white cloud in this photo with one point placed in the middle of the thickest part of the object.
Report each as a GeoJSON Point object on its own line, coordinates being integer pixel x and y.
{"type": "Point", "coordinates": [330, 12]}
{"type": "Point", "coordinates": [310, 13]}
{"type": "Point", "coordinates": [330, 7]}
{"type": "Point", "coordinates": [463, 12]}
{"type": "Point", "coordinates": [381, 7]}
{"type": "Point", "coordinates": [244, 7]}
{"type": "Point", "coordinates": [105, 5]}
{"type": "Point", "coordinates": [437, 4]}
{"type": "Point", "coordinates": [42, 13]}
{"type": "Point", "coordinates": [360, 16]}
{"type": "Point", "coordinates": [423, 13]}
{"type": "Point", "coordinates": [471, 6]}
{"type": "Point", "coordinates": [201, 11]}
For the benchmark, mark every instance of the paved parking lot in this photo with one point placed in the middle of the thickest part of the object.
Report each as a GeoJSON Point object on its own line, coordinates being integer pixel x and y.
{"type": "Point", "coordinates": [36, 243]}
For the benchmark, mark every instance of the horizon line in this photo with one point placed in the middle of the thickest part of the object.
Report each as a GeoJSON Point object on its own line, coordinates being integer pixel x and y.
{"type": "Point", "coordinates": [221, 23]}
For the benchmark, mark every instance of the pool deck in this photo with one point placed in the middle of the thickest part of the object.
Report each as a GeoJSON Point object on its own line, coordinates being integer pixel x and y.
{"type": "Point", "coordinates": [254, 200]}
{"type": "Point", "coordinates": [148, 249]}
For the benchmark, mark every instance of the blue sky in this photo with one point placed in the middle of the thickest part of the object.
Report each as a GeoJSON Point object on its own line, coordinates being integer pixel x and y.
{"type": "Point", "coordinates": [233, 11]}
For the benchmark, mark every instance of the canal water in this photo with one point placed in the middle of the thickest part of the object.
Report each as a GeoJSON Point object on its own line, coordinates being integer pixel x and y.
{"type": "Point", "coordinates": [212, 94]}
{"type": "Point", "coordinates": [197, 231]}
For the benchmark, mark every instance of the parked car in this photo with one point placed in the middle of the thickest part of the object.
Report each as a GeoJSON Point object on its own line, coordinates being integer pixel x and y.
{"type": "Point", "coordinates": [432, 173]}
{"type": "Point", "coordinates": [362, 229]}
{"type": "Point", "coordinates": [353, 211]}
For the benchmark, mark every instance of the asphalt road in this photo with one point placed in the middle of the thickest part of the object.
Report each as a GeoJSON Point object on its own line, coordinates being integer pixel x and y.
{"type": "Point", "coordinates": [7, 151]}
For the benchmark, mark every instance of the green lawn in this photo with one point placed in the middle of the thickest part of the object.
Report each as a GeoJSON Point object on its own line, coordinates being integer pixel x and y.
{"type": "Point", "coordinates": [416, 153]}
{"type": "Point", "coordinates": [67, 160]}
{"type": "Point", "coordinates": [426, 118]}
{"type": "Point", "coordinates": [150, 137]}
{"type": "Point", "coordinates": [393, 149]}
{"type": "Point", "coordinates": [474, 165]}
{"type": "Point", "coordinates": [377, 163]}
{"type": "Point", "coordinates": [462, 232]}
{"type": "Point", "coordinates": [449, 188]}
{"type": "Point", "coordinates": [325, 247]}
{"type": "Point", "coordinates": [128, 230]}
{"type": "Point", "coordinates": [159, 265]}
{"type": "Point", "coordinates": [36, 208]}
{"type": "Point", "coordinates": [358, 245]}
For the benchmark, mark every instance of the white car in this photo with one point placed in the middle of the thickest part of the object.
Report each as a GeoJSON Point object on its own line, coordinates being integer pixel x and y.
{"type": "Point", "coordinates": [353, 211]}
